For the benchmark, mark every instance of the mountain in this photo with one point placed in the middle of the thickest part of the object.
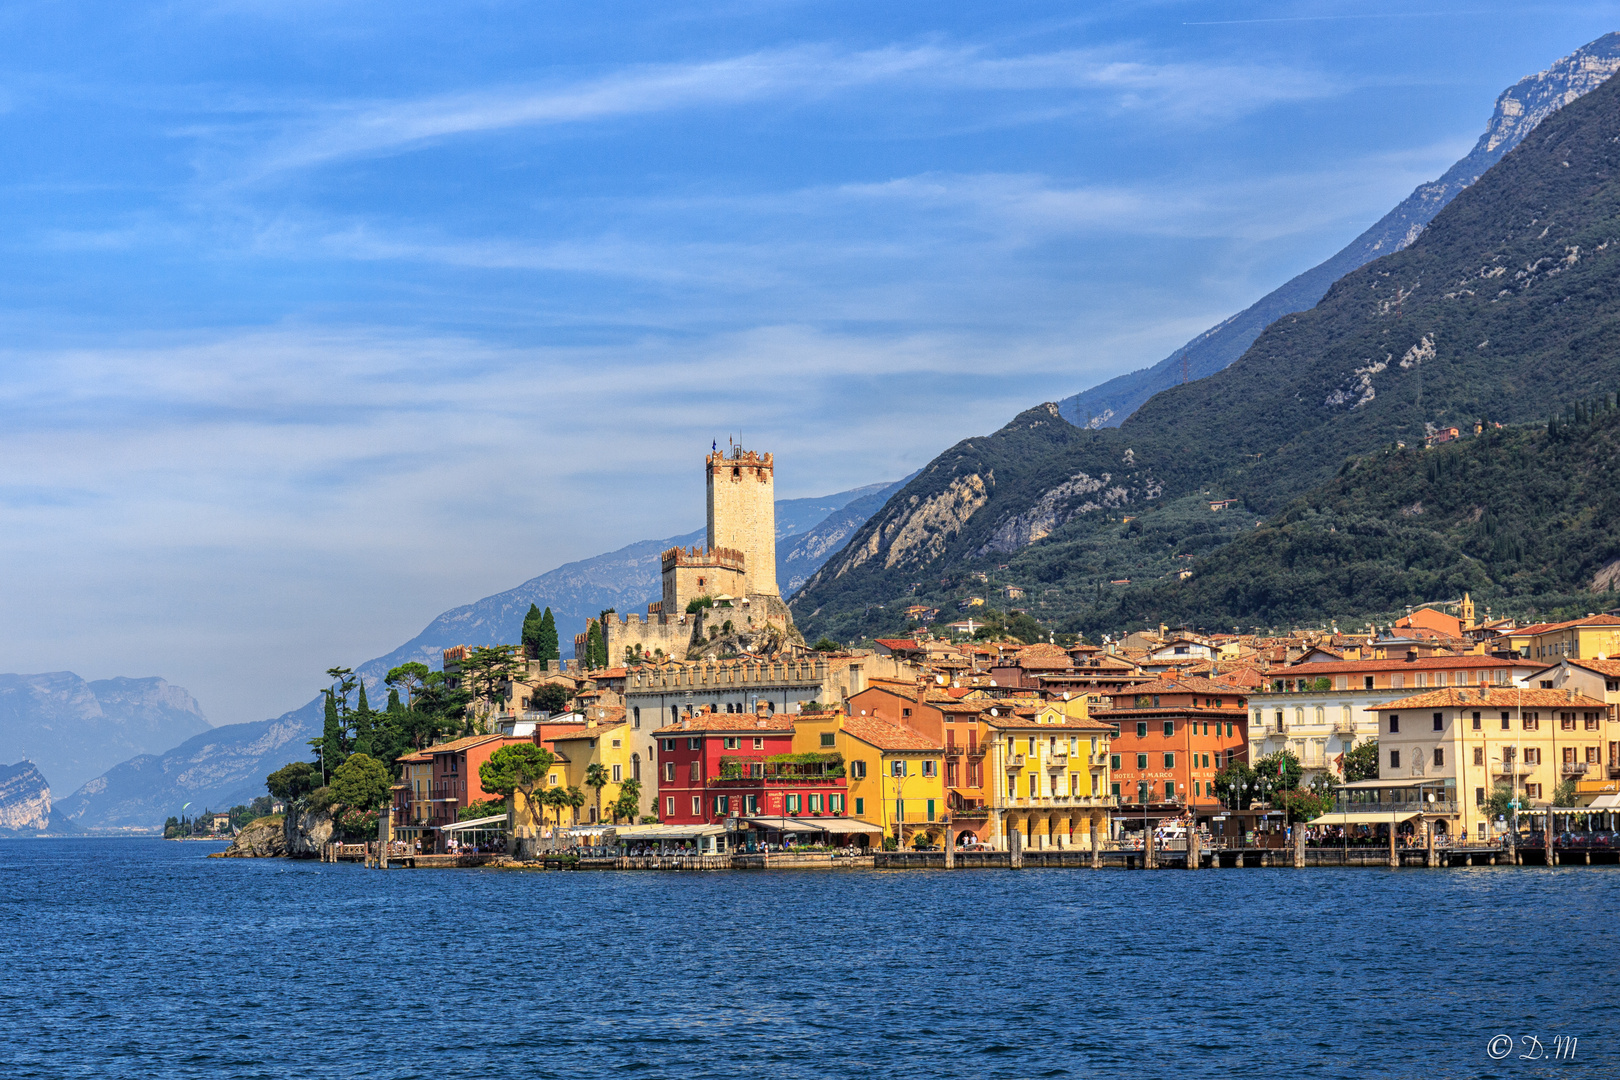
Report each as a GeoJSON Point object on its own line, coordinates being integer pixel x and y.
{"type": "Point", "coordinates": [1526, 518]}
{"type": "Point", "coordinates": [72, 729]}
{"type": "Point", "coordinates": [1518, 110]}
{"type": "Point", "coordinates": [226, 766]}
{"type": "Point", "coordinates": [1505, 308]}
{"type": "Point", "coordinates": [25, 799]}
{"type": "Point", "coordinates": [220, 768]}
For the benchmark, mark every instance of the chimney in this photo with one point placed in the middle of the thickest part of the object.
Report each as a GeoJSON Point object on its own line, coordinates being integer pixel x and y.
{"type": "Point", "coordinates": [1569, 694]}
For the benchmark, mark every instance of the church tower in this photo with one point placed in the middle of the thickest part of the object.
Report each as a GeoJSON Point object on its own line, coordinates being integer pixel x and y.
{"type": "Point", "coordinates": [742, 513]}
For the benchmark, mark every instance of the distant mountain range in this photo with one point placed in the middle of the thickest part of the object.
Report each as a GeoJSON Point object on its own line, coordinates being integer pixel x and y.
{"type": "Point", "coordinates": [1504, 309]}
{"type": "Point", "coordinates": [221, 767]}
{"type": "Point", "coordinates": [1518, 110]}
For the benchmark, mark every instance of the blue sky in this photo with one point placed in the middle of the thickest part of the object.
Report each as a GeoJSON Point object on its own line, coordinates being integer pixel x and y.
{"type": "Point", "coordinates": [321, 318]}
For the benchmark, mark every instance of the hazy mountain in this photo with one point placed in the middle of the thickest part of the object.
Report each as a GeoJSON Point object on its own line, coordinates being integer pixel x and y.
{"type": "Point", "coordinates": [227, 765]}
{"type": "Point", "coordinates": [1506, 308]}
{"type": "Point", "coordinates": [25, 799]}
{"type": "Point", "coordinates": [1518, 110]}
{"type": "Point", "coordinates": [72, 729]}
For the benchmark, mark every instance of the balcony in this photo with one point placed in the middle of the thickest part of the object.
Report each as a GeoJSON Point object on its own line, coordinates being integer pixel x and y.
{"type": "Point", "coordinates": [1015, 761]}
{"type": "Point", "coordinates": [952, 750]}
{"type": "Point", "coordinates": [1573, 768]}
{"type": "Point", "coordinates": [1511, 768]}
{"type": "Point", "coordinates": [1060, 802]}
{"type": "Point", "coordinates": [975, 749]}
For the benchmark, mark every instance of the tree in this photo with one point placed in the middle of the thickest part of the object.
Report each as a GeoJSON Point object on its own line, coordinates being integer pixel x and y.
{"type": "Point", "coordinates": [628, 804]}
{"type": "Point", "coordinates": [1563, 793]}
{"type": "Point", "coordinates": [364, 722]}
{"type": "Point", "coordinates": [411, 676]}
{"type": "Point", "coordinates": [1278, 772]}
{"type": "Point", "coordinates": [483, 808]}
{"type": "Point", "coordinates": [550, 650]}
{"type": "Point", "coordinates": [556, 798]}
{"type": "Point", "coordinates": [573, 798]}
{"type": "Point", "coordinates": [595, 648]}
{"type": "Point", "coordinates": [596, 776]}
{"type": "Point", "coordinates": [827, 644]}
{"type": "Point", "coordinates": [488, 671]}
{"type": "Point", "coordinates": [362, 783]}
{"type": "Point", "coordinates": [530, 636]}
{"type": "Point", "coordinates": [293, 781]}
{"type": "Point", "coordinates": [1234, 784]}
{"type": "Point", "coordinates": [1500, 803]}
{"type": "Point", "coordinates": [1361, 762]}
{"type": "Point", "coordinates": [552, 698]}
{"type": "Point", "coordinates": [443, 704]}
{"type": "Point", "coordinates": [516, 769]}
{"type": "Point", "coordinates": [331, 737]}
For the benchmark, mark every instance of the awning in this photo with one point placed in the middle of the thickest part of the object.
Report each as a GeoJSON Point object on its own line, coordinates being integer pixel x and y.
{"type": "Point", "coordinates": [643, 833]}
{"type": "Point", "coordinates": [1605, 802]}
{"type": "Point", "coordinates": [494, 822]}
{"type": "Point", "coordinates": [836, 825]}
{"type": "Point", "coordinates": [1364, 818]}
{"type": "Point", "coordinates": [842, 825]}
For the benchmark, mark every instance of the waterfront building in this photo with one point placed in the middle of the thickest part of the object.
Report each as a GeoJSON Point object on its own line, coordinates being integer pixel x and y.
{"type": "Point", "coordinates": [411, 808]}
{"type": "Point", "coordinates": [1599, 678]}
{"type": "Point", "coordinates": [609, 745]}
{"type": "Point", "coordinates": [1171, 737]}
{"type": "Point", "coordinates": [715, 765]}
{"type": "Point", "coordinates": [1319, 709]}
{"type": "Point", "coordinates": [454, 783]}
{"type": "Point", "coordinates": [894, 780]}
{"type": "Point", "coordinates": [1048, 773]}
{"type": "Point", "coordinates": [1468, 739]}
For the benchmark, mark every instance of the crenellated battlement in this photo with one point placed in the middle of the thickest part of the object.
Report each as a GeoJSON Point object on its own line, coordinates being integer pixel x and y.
{"type": "Point", "coordinates": [724, 558]}
{"type": "Point", "coordinates": [737, 457]}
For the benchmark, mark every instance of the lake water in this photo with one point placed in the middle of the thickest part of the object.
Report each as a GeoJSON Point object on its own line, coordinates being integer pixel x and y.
{"type": "Point", "coordinates": [134, 958]}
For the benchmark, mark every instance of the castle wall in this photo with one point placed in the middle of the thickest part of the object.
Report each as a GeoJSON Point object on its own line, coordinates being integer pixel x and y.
{"type": "Point", "coordinates": [742, 513]}
{"type": "Point", "coordinates": [683, 583]}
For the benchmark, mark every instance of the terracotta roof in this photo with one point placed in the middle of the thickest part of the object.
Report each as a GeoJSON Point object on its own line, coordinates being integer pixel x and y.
{"type": "Point", "coordinates": [609, 673]}
{"type": "Point", "coordinates": [463, 744]}
{"type": "Point", "coordinates": [1180, 684]}
{"type": "Point", "coordinates": [739, 723]}
{"type": "Point", "coordinates": [585, 731]}
{"type": "Point", "coordinates": [1023, 719]}
{"type": "Point", "coordinates": [897, 643]}
{"type": "Point", "coordinates": [1547, 628]}
{"type": "Point", "coordinates": [886, 736]}
{"type": "Point", "coordinates": [1401, 663]}
{"type": "Point", "coordinates": [1500, 697]}
{"type": "Point", "coordinates": [415, 757]}
{"type": "Point", "coordinates": [1602, 667]}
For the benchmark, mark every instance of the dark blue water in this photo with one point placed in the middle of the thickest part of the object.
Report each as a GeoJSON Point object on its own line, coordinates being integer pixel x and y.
{"type": "Point", "coordinates": [143, 958]}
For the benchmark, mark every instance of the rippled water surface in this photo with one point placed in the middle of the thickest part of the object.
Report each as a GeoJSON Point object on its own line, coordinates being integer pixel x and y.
{"type": "Point", "coordinates": [143, 958]}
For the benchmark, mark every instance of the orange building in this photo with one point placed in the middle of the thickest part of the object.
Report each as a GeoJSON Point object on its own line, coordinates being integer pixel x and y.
{"type": "Point", "coordinates": [1173, 736]}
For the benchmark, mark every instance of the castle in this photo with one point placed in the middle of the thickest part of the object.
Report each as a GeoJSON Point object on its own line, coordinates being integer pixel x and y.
{"type": "Point", "coordinates": [729, 583]}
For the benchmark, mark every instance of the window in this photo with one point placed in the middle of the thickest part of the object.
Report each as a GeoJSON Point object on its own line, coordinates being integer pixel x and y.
{"type": "Point", "coordinates": [692, 744]}
{"type": "Point", "coordinates": [635, 767]}
{"type": "Point", "coordinates": [1206, 761]}
{"type": "Point", "coordinates": [897, 768]}
{"type": "Point", "coordinates": [1566, 721]}
{"type": "Point", "coordinates": [1141, 761]}
{"type": "Point", "coordinates": [1367, 682]}
{"type": "Point", "coordinates": [1034, 785]}
{"type": "Point", "coordinates": [1532, 791]}
{"type": "Point", "coordinates": [1321, 715]}
{"type": "Point", "coordinates": [1394, 723]}
{"type": "Point", "coordinates": [1169, 728]}
{"type": "Point", "coordinates": [732, 742]}
{"type": "Point", "coordinates": [905, 712]}
{"type": "Point", "coordinates": [860, 807]}
{"type": "Point", "coordinates": [1439, 678]}
{"type": "Point", "coordinates": [1280, 720]}
{"type": "Point", "coordinates": [1141, 729]}
{"type": "Point", "coordinates": [1591, 719]}
{"type": "Point", "coordinates": [636, 713]}
{"type": "Point", "coordinates": [1115, 790]}
{"type": "Point", "coordinates": [930, 809]}
{"type": "Point", "coordinates": [1169, 761]}
{"type": "Point", "coordinates": [828, 739]}
{"type": "Point", "coordinates": [1439, 721]}
{"type": "Point", "coordinates": [697, 806]}
{"type": "Point", "coordinates": [1479, 755]}
{"type": "Point", "coordinates": [1504, 720]}
{"type": "Point", "coordinates": [793, 803]}
{"type": "Point", "coordinates": [618, 773]}
{"type": "Point", "coordinates": [669, 806]}
{"type": "Point", "coordinates": [1341, 682]}
{"type": "Point", "coordinates": [1113, 762]}
{"type": "Point", "coordinates": [1532, 755]}
{"type": "Point", "coordinates": [1228, 731]}
{"type": "Point", "coordinates": [973, 774]}
{"type": "Point", "coordinates": [1032, 750]}
{"type": "Point", "coordinates": [1169, 791]}
{"type": "Point", "coordinates": [857, 769]}
{"type": "Point", "coordinates": [1592, 755]}
{"type": "Point", "coordinates": [930, 768]}
{"type": "Point", "coordinates": [695, 772]}
{"type": "Point", "coordinates": [1420, 679]}
{"type": "Point", "coordinates": [1479, 795]}
{"type": "Point", "coordinates": [815, 804]}
{"type": "Point", "coordinates": [722, 804]}
{"type": "Point", "coordinates": [669, 745]}
{"type": "Point", "coordinates": [1439, 757]}
{"type": "Point", "coordinates": [1397, 681]}
{"type": "Point", "coordinates": [1394, 759]}
{"type": "Point", "coordinates": [950, 773]}
{"type": "Point", "coordinates": [751, 804]}
{"type": "Point", "coordinates": [1477, 722]}
{"type": "Point", "coordinates": [1532, 721]}
{"type": "Point", "coordinates": [669, 774]}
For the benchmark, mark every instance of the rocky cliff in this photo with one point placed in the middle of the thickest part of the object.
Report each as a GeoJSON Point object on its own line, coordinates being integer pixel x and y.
{"type": "Point", "coordinates": [25, 798]}
{"type": "Point", "coordinates": [1518, 110]}
{"type": "Point", "coordinates": [305, 832]}
{"type": "Point", "coordinates": [264, 838]}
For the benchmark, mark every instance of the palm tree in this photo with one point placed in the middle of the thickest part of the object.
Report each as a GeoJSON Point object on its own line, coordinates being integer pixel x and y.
{"type": "Point", "coordinates": [574, 798]}
{"type": "Point", "coordinates": [628, 802]}
{"type": "Point", "coordinates": [556, 798]}
{"type": "Point", "coordinates": [596, 776]}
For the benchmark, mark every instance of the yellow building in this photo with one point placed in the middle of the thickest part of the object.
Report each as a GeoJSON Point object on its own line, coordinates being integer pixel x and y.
{"type": "Point", "coordinates": [1457, 744]}
{"type": "Point", "coordinates": [412, 792]}
{"type": "Point", "coordinates": [1594, 637]}
{"type": "Point", "coordinates": [1048, 774]}
{"type": "Point", "coordinates": [609, 746]}
{"type": "Point", "coordinates": [893, 774]}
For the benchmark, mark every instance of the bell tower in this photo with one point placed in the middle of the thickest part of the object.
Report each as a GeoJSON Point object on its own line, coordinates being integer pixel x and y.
{"type": "Point", "coordinates": [742, 513]}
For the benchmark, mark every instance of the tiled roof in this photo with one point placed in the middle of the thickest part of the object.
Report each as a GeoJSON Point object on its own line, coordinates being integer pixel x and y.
{"type": "Point", "coordinates": [1422, 663]}
{"type": "Point", "coordinates": [1500, 697]}
{"type": "Point", "coordinates": [886, 736]}
{"type": "Point", "coordinates": [1180, 684]}
{"type": "Point", "coordinates": [463, 744]}
{"type": "Point", "coordinates": [1602, 667]}
{"type": "Point", "coordinates": [1547, 628]}
{"type": "Point", "coordinates": [727, 723]}
{"type": "Point", "coordinates": [897, 643]}
{"type": "Point", "coordinates": [1024, 719]}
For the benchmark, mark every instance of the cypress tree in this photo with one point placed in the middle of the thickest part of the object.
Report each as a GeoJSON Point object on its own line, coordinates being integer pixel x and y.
{"type": "Point", "coordinates": [331, 738]}
{"type": "Point", "coordinates": [395, 706]}
{"type": "Point", "coordinates": [364, 727]}
{"type": "Point", "coordinates": [531, 633]}
{"type": "Point", "coordinates": [549, 649]}
{"type": "Point", "coordinates": [595, 649]}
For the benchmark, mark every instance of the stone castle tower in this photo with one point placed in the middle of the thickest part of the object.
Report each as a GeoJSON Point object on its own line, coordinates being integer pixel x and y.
{"type": "Point", "coordinates": [742, 514]}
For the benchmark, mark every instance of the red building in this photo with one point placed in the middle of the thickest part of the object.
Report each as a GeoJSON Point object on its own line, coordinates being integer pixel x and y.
{"type": "Point", "coordinates": [455, 782]}
{"type": "Point", "coordinates": [712, 766]}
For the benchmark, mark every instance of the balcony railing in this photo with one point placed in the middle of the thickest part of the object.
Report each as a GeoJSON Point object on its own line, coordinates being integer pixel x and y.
{"type": "Point", "coordinates": [1015, 761]}
{"type": "Point", "coordinates": [1511, 768]}
{"type": "Point", "coordinates": [1058, 802]}
{"type": "Point", "coordinates": [1573, 768]}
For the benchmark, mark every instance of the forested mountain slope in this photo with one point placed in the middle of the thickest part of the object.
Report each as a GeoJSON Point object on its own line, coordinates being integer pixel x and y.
{"type": "Point", "coordinates": [1518, 110]}
{"type": "Point", "coordinates": [1504, 309]}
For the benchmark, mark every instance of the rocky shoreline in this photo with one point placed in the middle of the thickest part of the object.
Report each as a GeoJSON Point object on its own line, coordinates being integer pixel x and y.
{"type": "Point", "coordinates": [297, 834]}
